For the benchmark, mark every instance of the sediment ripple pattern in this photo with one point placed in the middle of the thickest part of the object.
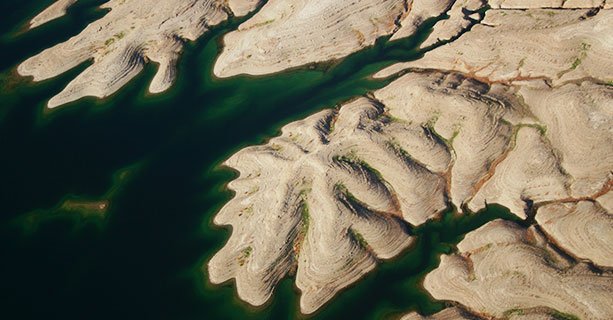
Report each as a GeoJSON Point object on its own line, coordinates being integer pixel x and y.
{"type": "Point", "coordinates": [121, 42]}
{"type": "Point", "coordinates": [501, 267]}
{"type": "Point", "coordinates": [516, 45]}
{"type": "Point", "coordinates": [584, 229]}
{"type": "Point", "coordinates": [287, 34]}
{"type": "Point", "coordinates": [452, 313]}
{"type": "Point", "coordinates": [331, 195]}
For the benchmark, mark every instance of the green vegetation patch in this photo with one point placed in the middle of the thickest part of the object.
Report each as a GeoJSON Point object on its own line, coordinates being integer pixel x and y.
{"type": "Point", "coordinates": [352, 159]}
{"type": "Point", "coordinates": [583, 49]}
{"type": "Point", "coordinates": [558, 315]}
{"type": "Point", "coordinates": [359, 238]}
{"type": "Point", "coordinates": [245, 254]}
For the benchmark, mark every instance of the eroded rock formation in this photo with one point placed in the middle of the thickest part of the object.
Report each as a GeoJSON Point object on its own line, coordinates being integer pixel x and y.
{"type": "Point", "coordinates": [517, 45]}
{"type": "Point", "coordinates": [285, 34]}
{"type": "Point", "coordinates": [502, 267]}
{"type": "Point", "coordinates": [54, 11]}
{"type": "Point", "coordinates": [121, 42]}
{"type": "Point", "coordinates": [447, 314]}
{"type": "Point", "coordinates": [584, 229]}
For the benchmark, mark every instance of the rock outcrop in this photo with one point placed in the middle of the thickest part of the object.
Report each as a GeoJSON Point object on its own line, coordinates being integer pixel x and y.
{"type": "Point", "coordinates": [418, 13]}
{"type": "Point", "coordinates": [462, 15]}
{"type": "Point", "coordinates": [578, 119]}
{"type": "Point", "coordinates": [346, 179]}
{"type": "Point", "coordinates": [502, 267]}
{"type": "Point", "coordinates": [426, 140]}
{"type": "Point", "coordinates": [447, 314]}
{"type": "Point", "coordinates": [326, 197]}
{"type": "Point", "coordinates": [583, 229]}
{"type": "Point", "coordinates": [531, 172]}
{"type": "Point", "coordinates": [54, 11]}
{"type": "Point", "coordinates": [126, 38]}
{"type": "Point", "coordinates": [285, 34]}
{"type": "Point", "coordinates": [520, 115]}
{"type": "Point", "coordinates": [516, 45]}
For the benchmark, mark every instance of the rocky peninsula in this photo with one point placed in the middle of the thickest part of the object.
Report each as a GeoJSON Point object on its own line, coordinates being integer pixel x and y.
{"type": "Point", "coordinates": [131, 34]}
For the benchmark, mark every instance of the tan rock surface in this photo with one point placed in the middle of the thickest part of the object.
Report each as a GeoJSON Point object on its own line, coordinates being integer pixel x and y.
{"type": "Point", "coordinates": [460, 19]}
{"type": "Point", "coordinates": [579, 125]}
{"type": "Point", "coordinates": [501, 267]}
{"type": "Point", "coordinates": [315, 197]}
{"type": "Point", "coordinates": [531, 171]}
{"type": "Point", "coordinates": [606, 201]}
{"type": "Point", "coordinates": [54, 11]}
{"type": "Point", "coordinates": [447, 314]}
{"type": "Point", "coordinates": [433, 137]}
{"type": "Point", "coordinates": [473, 121]}
{"type": "Point", "coordinates": [282, 34]}
{"type": "Point", "coordinates": [514, 45]}
{"type": "Point", "coordinates": [584, 229]}
{"type": "Point", "coordinates": [534, 4]}
{"type": "Point", "coordinates": [420, 11]}
{"type": "Point", "coordinates": [358, 172]}
{"type": "Point", "coordinates": [121, 42]}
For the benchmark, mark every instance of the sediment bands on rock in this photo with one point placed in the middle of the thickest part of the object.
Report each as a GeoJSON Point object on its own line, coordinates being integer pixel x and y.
{"type": "Point", "coordinates": [517, 45]}
{"type": "Point", "coordinates": [502, 268]}
{"type": "Point", "coordinates": [54, 11]}
{"type": "Point", "coordinates": [327, 196]}
{"type": "Point", "coordinates": [286, 34]}
{"type": "Point", "coordinates": [121, 42]}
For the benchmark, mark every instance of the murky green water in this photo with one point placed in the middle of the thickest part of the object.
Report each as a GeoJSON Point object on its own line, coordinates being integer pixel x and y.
{"type": "Point", "coordinates": [144, 260]}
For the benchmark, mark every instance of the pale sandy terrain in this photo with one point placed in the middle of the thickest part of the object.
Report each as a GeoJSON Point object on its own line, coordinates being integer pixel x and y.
{"type": "Point", "coordinates": [426, 136]}
{"type": "Point", "coordinates": [570, 160]}
{"type": "Point", "coordinates": [282, 35]}
{"type": "Point", "coordinates": [583, 229]}
{"type": "Point", "coordinates": [515, 45]}
{"type": "Point", "coordinates": [534, 142]}
{"type": "Point", "coordinates": [502, 267]}
{"type": "Point", "coordinates": [579, 123]}
{"type": "Point", "coordinates": [462, 15]}
{"type": "Point", "coordinates": [324, 196]}
{"type": "Point", "coordinates": [420, 11]}
{"type": "Point", "coordinates": [372, 160]}
{"type": "Point", "coordinates": [124, 40]}
{"type": "Point", "coordinates": [530, 171]}
{"type": "Point", "coordinates": [56, 10]}
{"type": "Point", "coordinates": [566, 4]}
{"type": "Point", "coordinates": [447, 314]}
{"type": "Point", "coordinates": [329, 194]}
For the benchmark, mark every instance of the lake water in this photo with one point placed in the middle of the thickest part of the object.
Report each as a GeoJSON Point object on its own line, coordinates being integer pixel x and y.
{"type": "Point", "coordinates": [156, 159]}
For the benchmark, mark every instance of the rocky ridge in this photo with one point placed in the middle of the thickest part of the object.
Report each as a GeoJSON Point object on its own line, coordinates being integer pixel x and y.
{"type": "Point", "coordinates": [131, 34]}
{"type": "Point", "coordinates": [492, 136]}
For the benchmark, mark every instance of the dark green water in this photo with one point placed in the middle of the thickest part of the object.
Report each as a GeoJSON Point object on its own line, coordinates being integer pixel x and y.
{"type": "Point", "coordinates": [145, 260]}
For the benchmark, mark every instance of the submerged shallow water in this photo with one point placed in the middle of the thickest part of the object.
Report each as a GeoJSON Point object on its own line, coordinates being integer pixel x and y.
{"type": "Point", "coordinates": [156, 159]}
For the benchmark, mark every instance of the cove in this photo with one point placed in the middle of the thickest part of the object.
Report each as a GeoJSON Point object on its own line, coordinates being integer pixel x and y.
{"type": "Point", "coordinates": [145, 263]}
